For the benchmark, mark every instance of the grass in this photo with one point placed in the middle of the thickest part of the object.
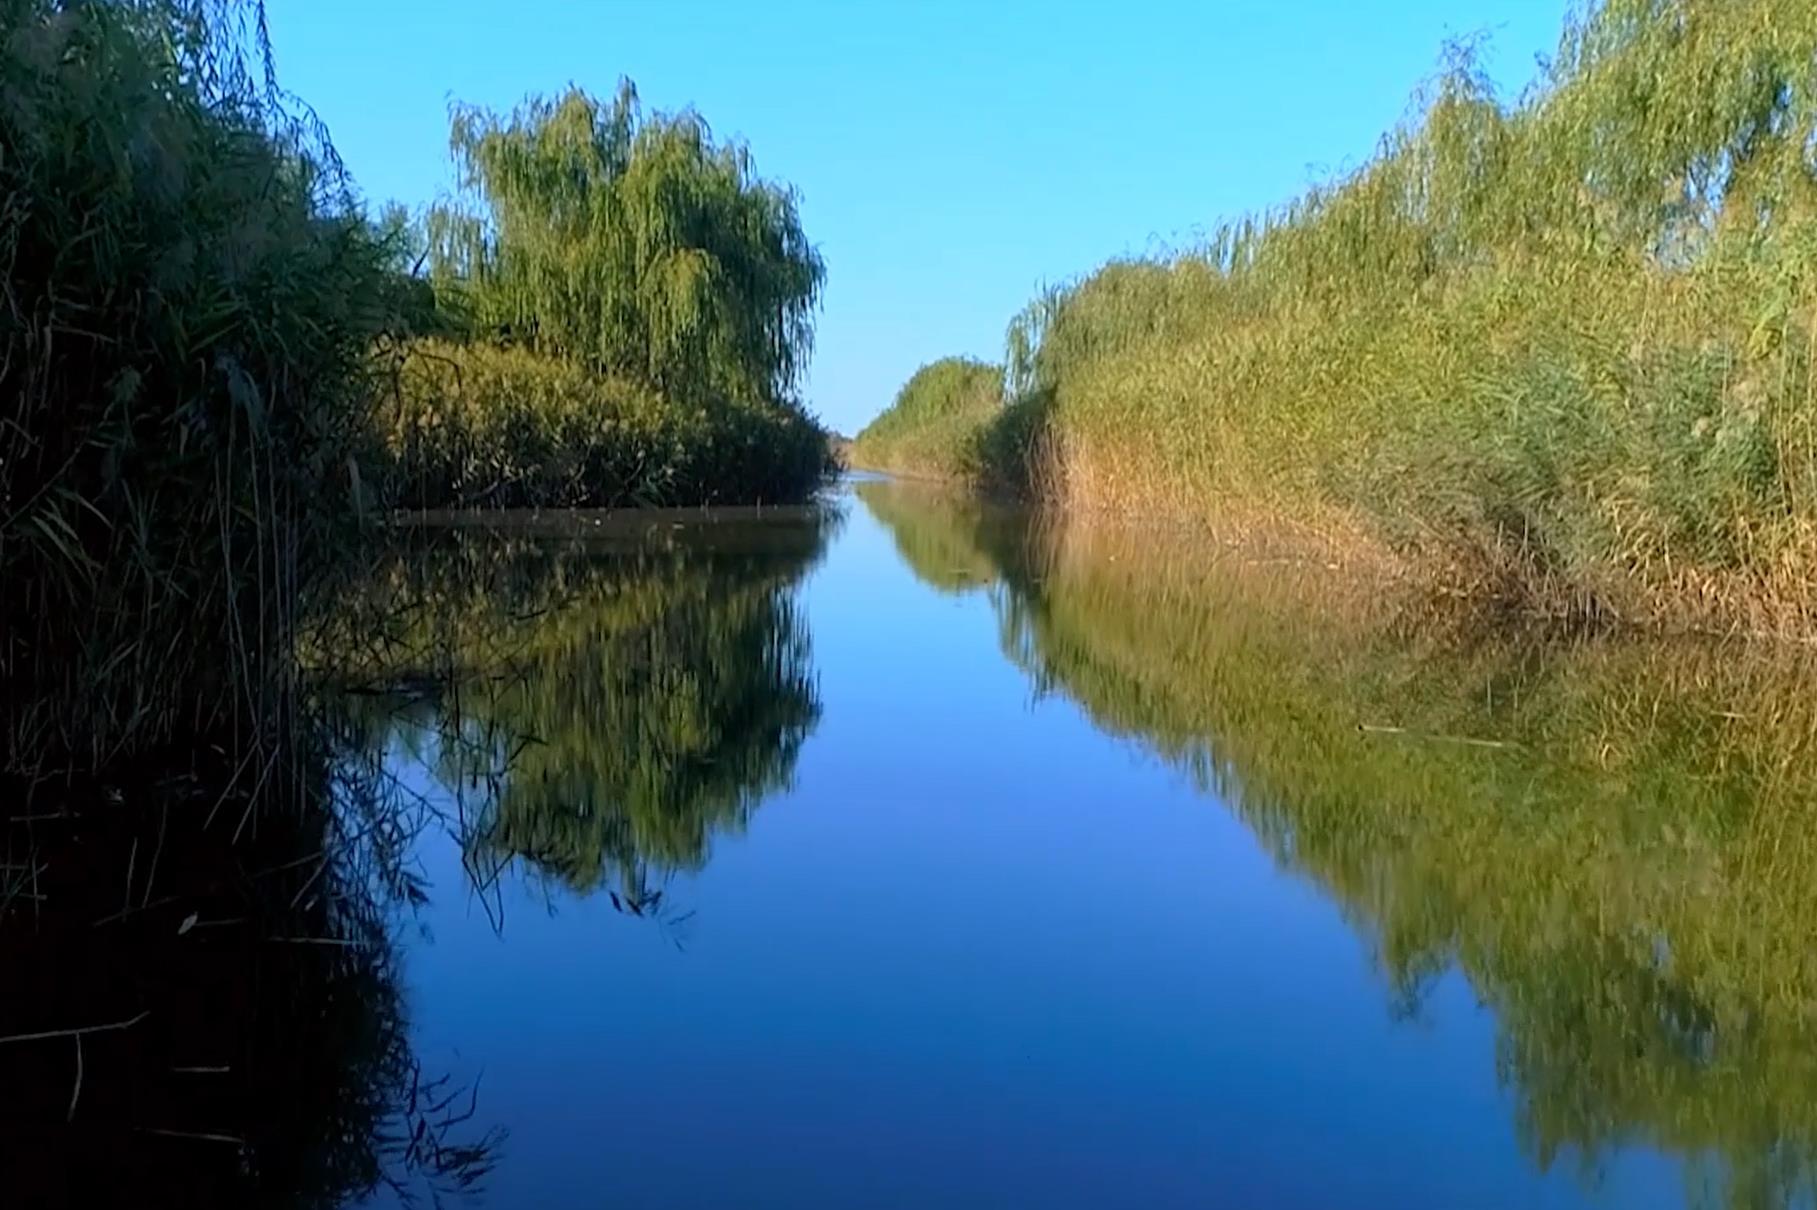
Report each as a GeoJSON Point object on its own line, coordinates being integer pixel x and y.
{"type": "Point", "coordinates": [187, 339]}
{"type": "Point", "coordinates": [471, 425]}
{"type": "Point", "coordinates": [1607, 838]}
{"type": "Point", "coordinates": [1558, 350]}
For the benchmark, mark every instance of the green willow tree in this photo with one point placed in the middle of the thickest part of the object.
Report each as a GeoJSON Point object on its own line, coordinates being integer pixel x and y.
{"type": "Point", "coordinates": [632, 243]}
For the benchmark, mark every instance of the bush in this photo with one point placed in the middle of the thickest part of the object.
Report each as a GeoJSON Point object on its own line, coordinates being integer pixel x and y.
{"type": "Point", "coordinates": [473, 425]}
{"type": "Point", "coordinates": [938, 424]}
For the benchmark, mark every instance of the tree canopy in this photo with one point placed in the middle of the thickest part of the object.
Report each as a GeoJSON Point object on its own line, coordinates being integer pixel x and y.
{"type": "Point", "coordinates": [633, 243]}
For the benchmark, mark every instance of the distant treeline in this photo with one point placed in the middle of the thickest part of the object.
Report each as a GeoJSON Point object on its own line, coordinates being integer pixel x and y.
{"type": "Point", "coordinates": [1559, 349]}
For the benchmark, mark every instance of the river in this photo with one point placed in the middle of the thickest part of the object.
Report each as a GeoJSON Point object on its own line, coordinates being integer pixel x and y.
{"type": "Point", "coordinates": [917, 852]}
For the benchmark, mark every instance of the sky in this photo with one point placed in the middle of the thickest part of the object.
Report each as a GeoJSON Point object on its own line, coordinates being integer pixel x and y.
{"type": "Point", "coordinates": [952, 156]}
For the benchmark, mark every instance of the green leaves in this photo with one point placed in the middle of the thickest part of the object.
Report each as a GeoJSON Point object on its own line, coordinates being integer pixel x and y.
{"type": "Point", "coordinates": [473, 425]}
{"type": "Point", "coordinates": [632, 244]}
{"type": "Point", "coordinates": [937, 422]}
{"type": "Point", "coordinates": [185, 356]}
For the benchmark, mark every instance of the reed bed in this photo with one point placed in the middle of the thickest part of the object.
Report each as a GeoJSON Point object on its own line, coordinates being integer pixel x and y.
{"type": "Point", "coordinates": [1560, 347]}
{"type": "Point", "coordinates": [187, 340]}
{"type": "Point", "coordinates": [477, 425]}
{"type": "Point", "coordinates": [938, 424]}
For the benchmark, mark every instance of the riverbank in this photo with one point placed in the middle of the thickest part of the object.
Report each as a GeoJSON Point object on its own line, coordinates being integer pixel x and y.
{"type": "Point", "coordinates": [220, 372]}
{"type": "Point", "coordinates": [223, 367]}
{"type": "Point", "coordinates": [1558, 352]}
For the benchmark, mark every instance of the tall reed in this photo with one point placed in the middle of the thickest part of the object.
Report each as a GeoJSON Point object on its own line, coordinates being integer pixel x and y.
{"type": "Point", "coordinates": [938, 424]}
{"type": "Point", "coordinates": [473, 424]}
{"type": "Point", "coordinates": [186, 339]}
{"type": "Point", "coordinates": [1561, 347]}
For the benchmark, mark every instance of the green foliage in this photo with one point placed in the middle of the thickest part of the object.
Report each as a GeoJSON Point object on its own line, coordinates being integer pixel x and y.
{"type": "Point", "coordinates": [186, 340]}
{"type": "Point", "coordinates": [640, 304]}
{"type": "Point", "coordinates": [633, 244]}
{"type": "Point", "coordinates": [938, 422]}
{"type": "Point", "coordinates": [1567, 341]}
{"type": "Point", "coordinates": [1608, 839]}
{"type": "Point", "coordinates": [475, 425]}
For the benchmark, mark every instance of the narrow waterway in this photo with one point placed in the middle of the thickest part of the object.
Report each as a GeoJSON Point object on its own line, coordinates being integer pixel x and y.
{"type": "Point", "coordinates": [928, 855]}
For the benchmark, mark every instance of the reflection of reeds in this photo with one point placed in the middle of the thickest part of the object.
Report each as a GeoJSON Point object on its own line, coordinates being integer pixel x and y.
{"type": "Point", "coordinates": [612, 704]}
{"type": "Point", "coordinates": [1619, 864]}
{"type": "Point", "coordinates": [257, 1051]}
{"type": "Point", "coordinates": [935, 530]}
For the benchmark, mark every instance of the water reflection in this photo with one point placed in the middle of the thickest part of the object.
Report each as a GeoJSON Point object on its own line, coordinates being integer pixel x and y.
{"type": "Point", "coordinates": [601, 700]}
{"type": "Point", "coordinates": [203, 994]}
{"type": "Point", "coordinates": [1611, 840]}
{"type": "Point", "coordinates": [202, 1004]}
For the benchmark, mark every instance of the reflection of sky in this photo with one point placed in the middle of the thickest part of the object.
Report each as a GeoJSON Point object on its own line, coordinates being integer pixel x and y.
{"type": "Point", "coordinates": [980, 956]}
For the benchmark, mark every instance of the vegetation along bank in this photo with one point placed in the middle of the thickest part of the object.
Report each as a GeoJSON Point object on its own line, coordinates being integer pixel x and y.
{"type": "Point", "coordinates": [631, 309]}
{"type": "Point", "coordinates": [217, 364]}
{"type": "Point", "coordinates": [218, 371]}
{"type": "Point", "coordinates": [1558, 350]}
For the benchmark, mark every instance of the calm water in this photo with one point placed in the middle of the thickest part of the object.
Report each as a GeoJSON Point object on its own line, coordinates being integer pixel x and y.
{"type": "Point", "coordinates": [931, 856]}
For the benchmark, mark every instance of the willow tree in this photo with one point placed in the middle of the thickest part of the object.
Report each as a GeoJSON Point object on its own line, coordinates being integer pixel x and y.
{"type": "Point", "coordinates": [633, 243]}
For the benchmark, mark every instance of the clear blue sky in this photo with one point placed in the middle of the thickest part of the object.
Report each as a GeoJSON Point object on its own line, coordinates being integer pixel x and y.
{"type": "Point", "coordinates": [951, 155]}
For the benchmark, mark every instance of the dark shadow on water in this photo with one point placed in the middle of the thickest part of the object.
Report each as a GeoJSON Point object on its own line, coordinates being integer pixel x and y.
{"type": "Point", "coordinates": [202, 1004]}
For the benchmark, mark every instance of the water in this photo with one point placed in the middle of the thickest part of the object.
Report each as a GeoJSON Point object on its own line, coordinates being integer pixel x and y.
{"type": "Point", "coordinates": [940, 857]}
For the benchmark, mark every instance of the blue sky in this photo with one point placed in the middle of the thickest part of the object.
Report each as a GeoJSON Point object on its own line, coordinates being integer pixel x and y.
{"type": "Point", "coordinates": [951, 156]}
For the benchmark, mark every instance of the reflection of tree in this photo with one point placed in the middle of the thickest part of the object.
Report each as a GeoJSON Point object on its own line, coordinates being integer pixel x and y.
{"type": "Point", "coordinates": [936, 529]}
{"type": "Point", "coordinates": [261, 1055]}
{"type": "Point", "coordinates": [616, 704]}
{"type": "Point", "coordinates": [1611, 840]}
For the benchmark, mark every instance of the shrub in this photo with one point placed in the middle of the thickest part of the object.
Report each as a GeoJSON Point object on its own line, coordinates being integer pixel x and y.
{"type": "Point", "coordinates": [472, 425]}
{"type": "Point", "coordinates": [937, 425]}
